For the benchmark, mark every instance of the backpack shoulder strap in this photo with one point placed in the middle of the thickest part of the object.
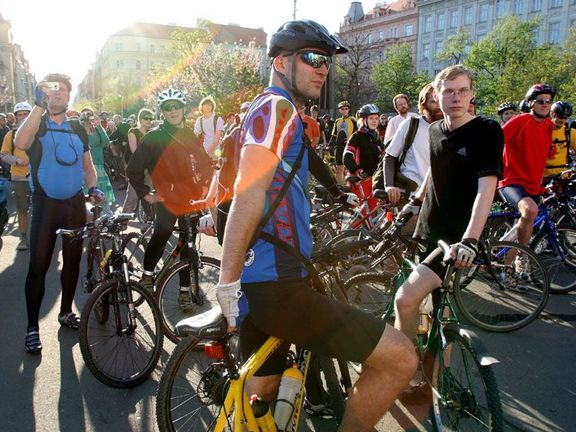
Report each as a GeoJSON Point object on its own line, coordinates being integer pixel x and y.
{"type": "Point", "coordinates": [409, 140]}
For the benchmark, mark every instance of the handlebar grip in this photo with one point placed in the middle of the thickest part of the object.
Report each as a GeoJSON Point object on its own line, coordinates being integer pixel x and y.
{"type": "Point", "coordinates": [446, 249]}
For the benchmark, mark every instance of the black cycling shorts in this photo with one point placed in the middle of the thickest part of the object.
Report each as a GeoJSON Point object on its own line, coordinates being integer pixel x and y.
{"type": "Point", "coordinates": [293, 311]}
{"type": "Point", "coordinates": [340, 155]}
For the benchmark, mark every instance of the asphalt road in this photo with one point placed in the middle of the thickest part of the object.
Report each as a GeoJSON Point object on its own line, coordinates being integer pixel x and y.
{"type": "Point", "coordinates": [56, 392]}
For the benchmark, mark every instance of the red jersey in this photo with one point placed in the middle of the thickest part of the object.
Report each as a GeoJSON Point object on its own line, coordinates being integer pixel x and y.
{"type": "Point", "coordinates": [526, 146]}
{"type": "Point", "coordinates": [312, 130]}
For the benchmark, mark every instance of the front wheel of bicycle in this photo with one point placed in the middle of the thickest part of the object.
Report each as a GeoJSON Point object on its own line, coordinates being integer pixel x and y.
{"type": "Point", "coordinates": [176, 304]}
{"type": "Point", "coordinates": [465, 395]}
{"type": "Point", "coordinates": [562, 269]}
{"type": "Point", "coordinates": [191, 391]}
{"type": "Point", "coordinates": [122, 350]}
{"type": "Point", "coordinates": [372, 292]}
{"type": "Point", "coordinates": [506, 290]}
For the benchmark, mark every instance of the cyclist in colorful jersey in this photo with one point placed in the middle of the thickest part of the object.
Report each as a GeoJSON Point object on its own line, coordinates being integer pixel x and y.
{"type": "Point", "coordinates": [60, 163]}
{"type": "Point", "coordinates": [563, 139]}
{"type": "Point", "coordinates": [273, 281]}
{"type": "Point", "coordinates": [364, 151]}
{"type": "Point", "coordinates": [180, 170]}
{"type": "Point", "coordinates": [527, 139]}
{"type": "Point", "coordinates": [343, 128]}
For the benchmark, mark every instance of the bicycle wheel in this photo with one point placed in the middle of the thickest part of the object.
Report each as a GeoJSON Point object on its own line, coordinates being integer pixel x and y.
{"type": "Point", "coordinates": [372, 292]}
{"type": "Point", "coordinates": [175, 306]}
{"type": "Point", "coordinates": [133, 246]}
{"type": "Point", "coordinates": [191, 391]}
{"type": "Point", "coordinates": [496, 295]}
{"type": "Point", "coordinates": [561, 270]}
{"type": "Point", "coordinates": [337, 384]}
{"type": "Point", "coordinates": [465, 395]}
{"type": "Point", "coordinates": [123, 350]}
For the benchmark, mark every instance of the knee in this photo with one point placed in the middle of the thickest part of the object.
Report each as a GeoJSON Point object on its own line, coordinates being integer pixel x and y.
{"type": "Point", "coordinates": [406, 300]}
{"type": "Point", "coordinates": [529, 211]}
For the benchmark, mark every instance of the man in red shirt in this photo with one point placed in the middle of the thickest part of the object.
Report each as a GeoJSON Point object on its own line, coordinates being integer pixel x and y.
{"type": "Point", "coordinates": [311, 127]}
{"type": "Point", "coordinates": [527, 140]}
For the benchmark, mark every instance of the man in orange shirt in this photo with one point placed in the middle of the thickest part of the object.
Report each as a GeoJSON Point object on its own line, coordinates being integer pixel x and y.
{"type": "Point", "coordinates": [311, 127]}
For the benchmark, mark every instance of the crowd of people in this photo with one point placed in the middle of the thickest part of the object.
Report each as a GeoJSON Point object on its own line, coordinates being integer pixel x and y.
{"type": "Point", "coordinates": [444, 163]}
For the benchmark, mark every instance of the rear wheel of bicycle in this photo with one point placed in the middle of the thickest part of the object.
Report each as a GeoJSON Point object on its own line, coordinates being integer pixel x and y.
{"type": "Point", "coordinates": [372, 292]}
{"type": "Point", "coordinates": [465, 396]}
{"type": "Point", "coordinates": [504, 292]}
{"type": "Point", "coordinates": [561, 270]}
{"type": "Point", "coordinates": [133, 246]}
{"type": "Point", "coordinates": [122, 350]}
{"type": "Point", "coordinates": [337, 382]}
{"type": "Point", "coordinates": [191, 391]}
{"type": "Point", "coordinates": [175, 305]}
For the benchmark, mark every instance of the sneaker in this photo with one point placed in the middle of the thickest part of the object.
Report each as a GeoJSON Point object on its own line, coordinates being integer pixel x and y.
{"type": "Point", "coordinates": [22, 245]}
{"type": "Point", "coordinates": [184, 300]}
{"type": "Point", "coordinates": [32, 341]}
{"type": "Point", "coordinates": [319, 410]}
{"type": "Point", "coordinates": [147, 282]}
{"type": "Point", "coordinates": [522, 267]}
{"type": "Point", "coordinates": [417, 394]}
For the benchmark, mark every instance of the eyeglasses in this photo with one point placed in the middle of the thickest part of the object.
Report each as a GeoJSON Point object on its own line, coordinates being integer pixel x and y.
{"type": "Point", "coordinates": [543, 101]}
{"type": "Point", "coordinates": [148, 118]}
{"type": "Point", "coordinates": [316, 60]}
{"type": "Point", "coordinates": [171, 106]}
{"type": "Point", "coordinates": [450, 93]}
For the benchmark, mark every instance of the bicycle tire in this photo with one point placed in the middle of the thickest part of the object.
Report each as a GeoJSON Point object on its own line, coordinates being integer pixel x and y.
{"type": "Point", "coordinates": [336, 385]}
{"type": "Point", "coordinates": [128, 361]}
{"type": "Point", "coordinates": [497, 298]}
{"type": "Point", "coordinates": [458, 404]}
{"type": "Point", "coordinates": [191, 391]}
{"type": "Point", "coordinates": [562, 272]}
{"type": "Point", "coordinates": [372, 292]}
{"type": "Point", "coordinates": [133, 247]}
{"type": "Point", "coordinates": [168, 290]}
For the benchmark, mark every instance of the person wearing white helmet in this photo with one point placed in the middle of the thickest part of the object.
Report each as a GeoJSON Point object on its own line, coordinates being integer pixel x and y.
{"type": "Point", "coordinates": [20, 172]}
{"type": "Point", "coordinates": [180, 170]}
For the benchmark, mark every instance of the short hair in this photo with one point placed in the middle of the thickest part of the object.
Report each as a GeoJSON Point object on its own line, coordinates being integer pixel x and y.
{"type": "Point", "coordinates": [400, 96]}
{"type": "Point", "coordinates": [230, 114]}
{"type": "Point", "coordinates": [314, 108]}
{"type": "Point", "coordinates": [423, 95]}
{"type": "Point", "coordinates": [450, 73]}
{"type": "Point", "coordinates": [207, 99]}
{"type": "Point", "coordinates": [60, 78]}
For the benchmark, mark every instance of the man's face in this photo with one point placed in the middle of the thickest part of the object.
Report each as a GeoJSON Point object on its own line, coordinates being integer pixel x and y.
{"type": "Point", "coordinates": [173, 112]}
{"type": "Point", "coordinates": [541, 105]}
{"type": "Point", "coordinates": [117, 119]}
{"type": "Point", "coordinates": [207, 109]}
{"type": "Point", "coordinates": [314, 114]}
{"type": "Point", "coordinates": [383, 119]}
{"type": "Point", "coordinates": [432, 107]}
{"type": "Point", "coordinates": [10, 119]}
{"type": "Point", "coordinates": [507, 115]}
{"type": "Point", "coordinates": [2, 121]}
{"type": "Point", "coordinates": [58, 99]}
{"type": "Point", "coordinates": [559, 120]}
{"type": "Point", "coordinates": [402, 106]}
{"type": "Point", "coordinates": [309, 79]}
{"type": "Point", "coordinates": [454, 97]}
{"type": "Point", "coordinates": [21, 115]}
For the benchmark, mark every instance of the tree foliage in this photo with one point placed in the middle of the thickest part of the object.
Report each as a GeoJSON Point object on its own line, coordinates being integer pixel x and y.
{"type": "Point", "coordinates": [455, 48]}
{"type": "Point", "coordinates": [396, 75]}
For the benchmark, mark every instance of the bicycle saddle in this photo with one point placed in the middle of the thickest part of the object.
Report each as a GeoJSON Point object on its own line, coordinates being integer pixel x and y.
{"type": "Point", "coordinates": [208, 325]}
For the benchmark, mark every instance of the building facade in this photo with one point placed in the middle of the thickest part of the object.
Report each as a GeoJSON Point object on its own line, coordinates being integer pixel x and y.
{"type": "Point", "coordinates": [16, 82]}
{"type": "Point", "coordinates": [130, 55]}
{"type": "Point", "coordinates": [438, 19]}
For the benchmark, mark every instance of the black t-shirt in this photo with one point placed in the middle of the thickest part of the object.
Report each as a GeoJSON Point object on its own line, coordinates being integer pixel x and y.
{"type": "Point", "coordinates": [458, 159]}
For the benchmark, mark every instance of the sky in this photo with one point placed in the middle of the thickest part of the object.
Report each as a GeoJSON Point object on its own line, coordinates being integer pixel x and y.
{"type": "Point", "coordinates": [64, 36]}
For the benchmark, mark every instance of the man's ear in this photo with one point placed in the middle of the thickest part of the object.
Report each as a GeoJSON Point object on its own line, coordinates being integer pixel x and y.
{"type": "Point", "coordinates": [279, 64]}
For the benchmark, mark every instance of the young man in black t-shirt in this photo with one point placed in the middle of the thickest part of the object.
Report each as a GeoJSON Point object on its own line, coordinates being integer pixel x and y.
{"type": "Point", "coordinates": [465, 164]}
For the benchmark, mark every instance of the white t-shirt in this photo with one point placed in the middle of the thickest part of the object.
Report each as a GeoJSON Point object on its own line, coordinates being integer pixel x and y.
{"type": "Point", "coordinates": [417, 160]}
{"type": "Point", "coordinates": [393, 124]}
{"type": "Point", "coordinates": [208, 128]}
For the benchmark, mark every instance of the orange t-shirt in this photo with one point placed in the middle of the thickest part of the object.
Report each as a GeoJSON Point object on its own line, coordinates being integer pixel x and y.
{"type": "Point", "coordinates": [311, 129]}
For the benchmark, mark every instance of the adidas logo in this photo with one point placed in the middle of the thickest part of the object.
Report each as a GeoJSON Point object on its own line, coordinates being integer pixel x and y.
{"type": "Point", "coordinates": [462, 151]}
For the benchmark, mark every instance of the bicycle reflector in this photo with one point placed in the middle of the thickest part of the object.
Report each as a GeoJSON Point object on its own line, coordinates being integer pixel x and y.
{"type": "Point", "coordinates": [214, 350]}
{"type": "Point", "coordinates": [389, 216]}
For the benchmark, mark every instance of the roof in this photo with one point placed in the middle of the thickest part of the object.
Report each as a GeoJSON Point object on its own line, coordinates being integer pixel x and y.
{"type": "Point", "coordinates": [222, 33]}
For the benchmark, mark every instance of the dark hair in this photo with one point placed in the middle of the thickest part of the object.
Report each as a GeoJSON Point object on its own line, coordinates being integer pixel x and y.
{"type": "Point", "coordinates": [400, 96]}
{"type": "Point", "coordinates": [62, 79]}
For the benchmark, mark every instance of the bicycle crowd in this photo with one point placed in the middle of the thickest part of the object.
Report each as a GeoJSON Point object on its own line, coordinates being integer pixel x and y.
{"type": "Point", "coordinates": [324, 262]}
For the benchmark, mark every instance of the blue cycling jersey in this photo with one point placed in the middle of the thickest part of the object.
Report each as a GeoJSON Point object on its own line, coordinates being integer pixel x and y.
{"type": "Point", "coordinates": [273, 122]}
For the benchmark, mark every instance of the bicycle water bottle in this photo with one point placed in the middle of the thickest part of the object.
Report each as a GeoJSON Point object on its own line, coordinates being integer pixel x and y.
{"type": "Point", "coordinates": [290, 386]}
{"type": "Point", "coordinates": [262, 413]}
{"type": "Point", "coordinates": [424, 316]}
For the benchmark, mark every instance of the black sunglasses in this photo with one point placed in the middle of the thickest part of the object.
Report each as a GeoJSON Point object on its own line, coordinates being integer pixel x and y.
{"type": "Point", "coordinates": [147, 118]}
{"type": "Point", "coordinates": [315, 59]}
{"type": "Point", "coordinates": [543, 101]}
{"type": "Point", "coordinates": [171, 106]}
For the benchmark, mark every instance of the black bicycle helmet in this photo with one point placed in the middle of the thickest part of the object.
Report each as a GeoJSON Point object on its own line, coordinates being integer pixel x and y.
{"type": "Point", "coordinates": [538, 89]}
{"type": "Point", "coordinates": [367, 110]}
{"type": "Point", "coordinates": [296, 35]}
{"type": "Point", "coordinates": [562, 108]}
{"type": "Point", "coordinates": [524, 106]}
{"type": "Point", "coordinates": [505, 106]}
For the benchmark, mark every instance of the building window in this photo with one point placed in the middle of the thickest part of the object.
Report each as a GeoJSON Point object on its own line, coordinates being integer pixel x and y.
{"type": "Point", "coordinates": [425, 51]}
{"type": "Point", "coordinates": [554, 33]}
{"type": "Point", "coordinates": [536, 6]}
{"type": "Point", "coordinates": [369, 38]}
{"type": "Point", "coordinates": [151, 49]}
{"type": "Point", "coordinates": [368, 58]}
{"type": "Point", "coordinates": [468, 15]}
{"type": "Point", "coordinates": [427, 23]}
{"type": "Point", "coordinates": [555, 3]}
{"type": "Point", "coordinates": [381, 56]}
{"type": "Point", "coordinates": [453, 19]}
{"type": "Point", "coordinates": [394, 32]}
{"type": "Point", "coordinates": [518, 7]}
{"type": "Point", "coordinates": [118, 46]}
{"type": "Point", "coordinates": [483, 14]}
{"type": "Point", "coordinates": [500, 8]}
{"type": "Point", "coordinates": [408, 30]}
{"type": "Point", "coordinates": [118, 64]}
{"type": "Point", "coordinates": [381, 35]}
{"type": "Point", "coordinates": [437, 47]}
{"type": "Point", "coordinates": [440, 21]}
{"type": "Point", "coordinates": [137, 64]}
